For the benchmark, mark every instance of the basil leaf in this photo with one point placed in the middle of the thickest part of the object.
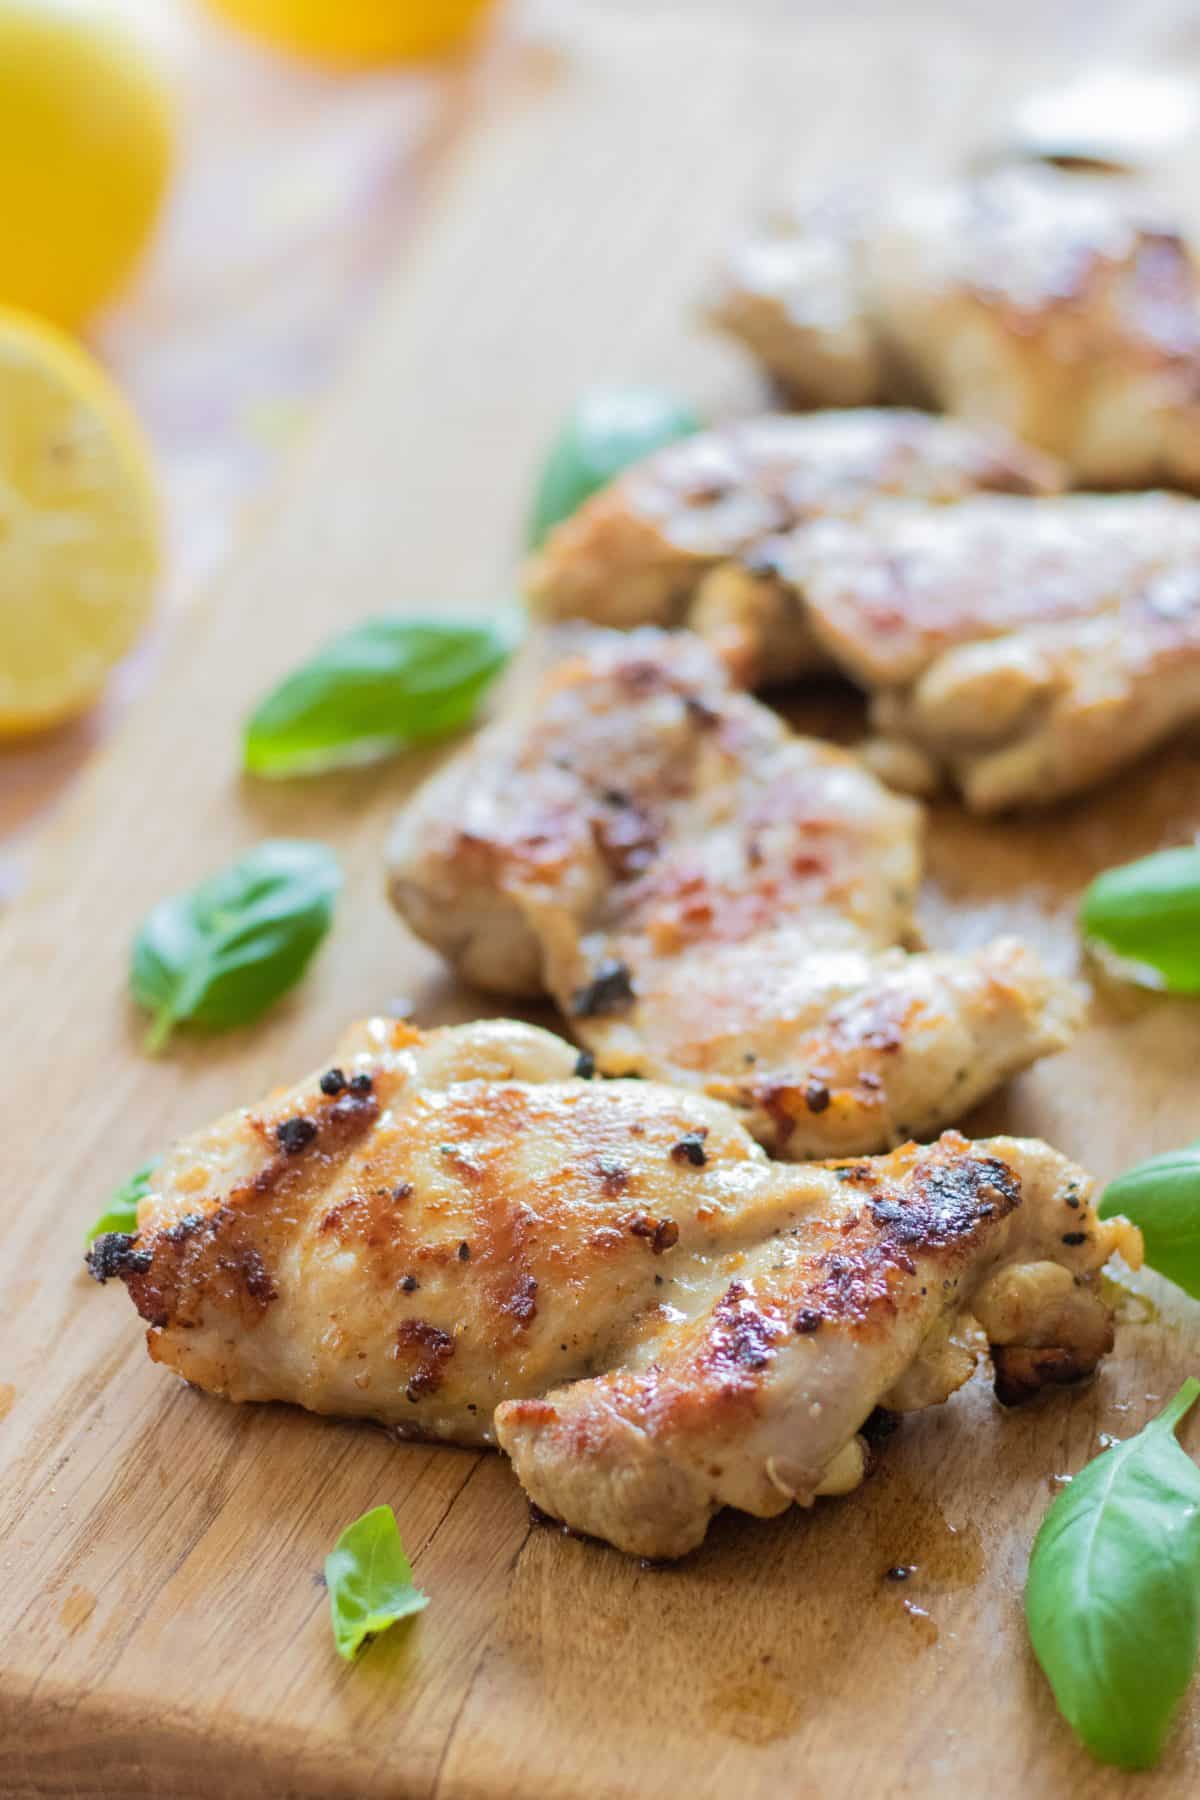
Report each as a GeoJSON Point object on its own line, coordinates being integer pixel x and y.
{"type": "Point", "coordinates": [609, 429]}
{"type": "Point", "coordinates": [121, 1212]}
{"type": "Point", "coordinates": [1162, 1198]}
{"type": "Point", "coordinates": [222, 954]}
{"type": "Point", "coordinates": [370, 1582]}
{"type": "Point", "coordinates": [385, 684]}
{"type": "Point", "coordinates": [1113, 1596]}
{"type": "Point", "coordinates": [1149, 912]}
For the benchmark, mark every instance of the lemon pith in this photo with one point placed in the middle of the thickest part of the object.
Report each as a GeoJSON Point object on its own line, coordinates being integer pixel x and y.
{"type": "Point", "coordinates": [79, 546]}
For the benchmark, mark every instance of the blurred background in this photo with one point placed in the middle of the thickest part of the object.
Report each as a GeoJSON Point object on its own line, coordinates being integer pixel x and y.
{"type": "Point", "coordinates": [269, 162]}
{"type": "Point", "coordinates": [301, 136]}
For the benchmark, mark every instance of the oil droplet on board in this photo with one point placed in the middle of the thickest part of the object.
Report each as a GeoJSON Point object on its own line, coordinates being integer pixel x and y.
{"type": "Point", "coordinates": [77, 1609]}
{"type": "Point", "coordinates": [923, 1622]}
{"type": "Point", "coordinates": [755, 1711]}
{"type": "Point", "coordinates": [916, 1536]}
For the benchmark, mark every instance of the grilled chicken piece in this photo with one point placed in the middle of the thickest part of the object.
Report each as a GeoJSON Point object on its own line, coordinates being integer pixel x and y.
{"type": "Point", "coordinates": [792, 292]}
{"type": "Point", "coordinates": [1063, 308]}
{"type": "Point", "coordinates": [715, 902]}
{"type": "Point", "coordinates": [639, 551]}
{"type": "Point", "coordinates": [451, 1234]}
{"type": "Point", "coordinates": [1029, 647]}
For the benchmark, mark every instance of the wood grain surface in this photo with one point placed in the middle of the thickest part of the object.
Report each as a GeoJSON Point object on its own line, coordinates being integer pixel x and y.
{"type": "Point", "coordinates": [162, 1629]}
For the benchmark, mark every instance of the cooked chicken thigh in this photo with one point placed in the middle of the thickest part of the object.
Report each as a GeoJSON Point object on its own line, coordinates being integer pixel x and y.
{"type": "Point", "coordinates": [1063, 308]}
{"type": "Point", "coordinates": [638, 552]}
{"type": "Point", "coordinates": [451, 1234]}
{"type": "Point", "coordinates": [714, 902]}
{"type": "Point", "coordinates": [792, 293]}
{"type": "Point", "coordinates": [1029, 647]}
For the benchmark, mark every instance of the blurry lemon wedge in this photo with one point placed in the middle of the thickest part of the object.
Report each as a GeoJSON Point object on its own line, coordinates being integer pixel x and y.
{"type": "Point", "coordinates": [85, 151]}
{"type": "Point", "coordinates": [348, 32]}
{"type": "Point", "coordinates": [78, 527]}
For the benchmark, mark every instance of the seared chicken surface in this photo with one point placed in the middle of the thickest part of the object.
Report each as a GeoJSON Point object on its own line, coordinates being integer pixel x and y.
{"type": "Point", "coordinates": [1027, 647]}
{"type": "Point", "coordinates": [714, 901]}
{"type": "Point", "coordinates": [639, 552]}
{"type": "Point", "coordinates": [453, 1235]}
{"type": "Point", "coordinates": [1062, 308]}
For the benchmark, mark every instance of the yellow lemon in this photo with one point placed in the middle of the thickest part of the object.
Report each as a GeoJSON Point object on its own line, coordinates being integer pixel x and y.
{"type": "Point", "coordinates": [348, 32]}
{"type": "Point", "coordinates": [78, 526]}
{"type": "Point", "coordinates": [84, 156]}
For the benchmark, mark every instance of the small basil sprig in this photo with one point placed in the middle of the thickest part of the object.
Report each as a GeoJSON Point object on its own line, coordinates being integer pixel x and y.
{"type": "Point", "coordinates": [609, 429]}
{"type": "Point", "coordinates": [370, 1582]}
{"type": "Point", "coordinates": [121, 1211]}
{"type": "Point", "coordinates": [1162, 1198]}
{"type": "Point", "coordinates": [1113, 1595]}
{"type": "Point", "coordinates": [1149, 912]}
{"type": "Point", "coordinates": [383, 685]}
{"type": "Point", "coordinates": [220, 955]}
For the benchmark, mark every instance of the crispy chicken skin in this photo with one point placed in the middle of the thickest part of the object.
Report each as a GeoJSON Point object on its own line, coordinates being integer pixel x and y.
{"type": "Point", "coordinates": [1026, 647]}
{"type": "Point", "coordinates": [640, 551]}
{"type": "Point", "coordinates": [1062, 308]}
{"type": "Point", "coordinates": [452, 1234]}
{"type": "Point", "coordinates": [714, 902]}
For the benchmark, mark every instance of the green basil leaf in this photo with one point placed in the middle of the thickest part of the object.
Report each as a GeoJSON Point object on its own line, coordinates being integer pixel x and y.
{"type": "Point", "coordinates": [609, 429]}
{"type": "Point", "coordinates": [1113, 1595]}
{"type": "Point", "coordinates": [121, 1212]}
{"type": "Point", "coordinates": [370, 1582]}
{"type": "Point", "coordinates": [1162, 1198]}
{"type": "Point", "coordinates": [1149, 912]}
{"type": "Point", "coordinates": [220, 955]}
{"type": "Point", "coordinates": [383, 685]}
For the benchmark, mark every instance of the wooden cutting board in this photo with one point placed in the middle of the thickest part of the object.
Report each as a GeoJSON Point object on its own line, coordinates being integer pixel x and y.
{"type": "Point", "coordinates": [162, 1627]}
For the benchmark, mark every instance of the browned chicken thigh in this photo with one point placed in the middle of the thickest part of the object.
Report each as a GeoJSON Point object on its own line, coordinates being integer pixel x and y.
{"type": "Point", "coordinates": [1026, 647]}
{"type": "Point", "coordinates": [453, 1234]}
{"type": "Point", "coordinates": [1065, 309]}
{"type": "Point", "coordinates": [715, 902]}
{"type": "Point", "coordinates": [644, 550]}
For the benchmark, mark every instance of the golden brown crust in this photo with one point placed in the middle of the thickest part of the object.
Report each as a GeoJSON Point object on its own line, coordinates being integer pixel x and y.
{"type": "Point", "coordinates": [713, 901]}
{"type": "Point", "coordinates": [653, 1318]}
{"type": "Point", "coordinates": [1027, 647]}
{"type": "Point", "coordinates": [637, 553]}
{"type": "Point", "coordinates": [1064, 308]}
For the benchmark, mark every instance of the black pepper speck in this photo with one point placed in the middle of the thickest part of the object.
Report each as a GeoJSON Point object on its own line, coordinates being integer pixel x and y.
{"type": "Point", "coordinates": [690, 1149]}
{"type": "Point", "coordinates": [294, 1135]}
{"type": "Point", "coordinates": [610, 990]}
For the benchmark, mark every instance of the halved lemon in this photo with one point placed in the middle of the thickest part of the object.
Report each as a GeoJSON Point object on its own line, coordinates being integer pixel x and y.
{"type": "Point", "coordinates": [79, 532]}
{"type": "Point", "coordinates": [348, 32]}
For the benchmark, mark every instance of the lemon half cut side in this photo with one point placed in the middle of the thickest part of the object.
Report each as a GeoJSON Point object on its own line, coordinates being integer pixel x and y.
{"type": "Point", "coordinates": [79, 527]}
